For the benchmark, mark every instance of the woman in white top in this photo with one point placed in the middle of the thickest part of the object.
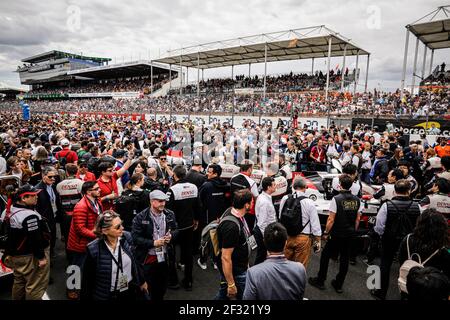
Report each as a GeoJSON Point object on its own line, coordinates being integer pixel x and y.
{"type": "Point", "coordinates": [110, 271]}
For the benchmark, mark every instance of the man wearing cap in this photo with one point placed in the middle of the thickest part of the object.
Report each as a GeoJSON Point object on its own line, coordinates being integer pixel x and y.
{"type": "Point", "coordinates": [153, 231]}
{"type": "Point", "coordinates": [28, 247]}
{"type": "Point", "coordinates": [67, 154]}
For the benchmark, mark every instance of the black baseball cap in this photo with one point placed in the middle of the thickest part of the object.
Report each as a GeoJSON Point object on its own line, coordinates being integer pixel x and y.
{"type": "Point", "coordinates": [27, 190]}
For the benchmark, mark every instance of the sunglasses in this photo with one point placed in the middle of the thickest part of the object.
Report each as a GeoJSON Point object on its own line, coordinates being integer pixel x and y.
{"type": "Point", "coordinates": [51, 177]}
{"type": "Point", "coordinates": [162, 159]}
{"type": "Point", "coordinates": [117, 227]}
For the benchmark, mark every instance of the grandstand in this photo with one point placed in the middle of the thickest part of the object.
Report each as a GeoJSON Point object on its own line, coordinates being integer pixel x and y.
{"type": "Point", "coordinates": [304, 43]}
{"type": "Point", "coordinates": [10, 92]}
{"type": "Point", "coordinates": [64, 82]}
{"type": "Point", "coordinates": [434, 35]}
{"type": "Point", "coordinates": [61, 75]}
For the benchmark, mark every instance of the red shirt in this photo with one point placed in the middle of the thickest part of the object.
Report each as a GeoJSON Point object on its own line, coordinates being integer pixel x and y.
{"type": "Point", "coordinates": [107, 188]}
{"type": "Point", "coordinates": [89, 176]}
{"type": "Point", "coordinates": [71, 156]}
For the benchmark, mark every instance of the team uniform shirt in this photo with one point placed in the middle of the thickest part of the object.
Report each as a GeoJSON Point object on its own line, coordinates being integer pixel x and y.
{"type": "Point", "coordinates": [70, 193]}
{"type": "Point", "coordinates": [184, 202]}
{"type": "Point", "coordinates": [440, 202]}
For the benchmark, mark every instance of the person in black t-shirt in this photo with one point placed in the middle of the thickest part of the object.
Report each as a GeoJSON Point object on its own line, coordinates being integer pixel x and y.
{"type": "Point", "coordinates": [233, 233]}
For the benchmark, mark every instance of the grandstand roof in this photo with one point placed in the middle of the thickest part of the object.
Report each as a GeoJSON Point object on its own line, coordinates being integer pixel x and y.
{"type": "Point", "coordinates": [121, 70]}
{"type": "Point", "coordinates": [60, 54]}
{"type": "Point", "coordinates": [434, 34]}
{"type": "Point", "coordinates": [4, 88]}
{"type": "Point", "coordinates": [303, 43]}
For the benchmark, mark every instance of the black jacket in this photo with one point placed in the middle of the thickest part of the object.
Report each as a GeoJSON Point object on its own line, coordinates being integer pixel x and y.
{"type": "Point", "coordinates": [151, 185]}
{"type": "Point", "coordinates": [215, 198]}
{"type": "Point", "coordinates": [381, 171]}
{"type": "Point", "coordinates": [184, 203]}
{"type": "Point", "coordinates": [96, 275]}
{"type": "Point", "coordinates": [129, 204]}
{"type": "Point", "coordinates": [142, 232]}
{"type": "Point", "coordinates": [44, 206]}
{"type": "Point", "coordinates": [196, 178]}
{"type": "Point", "coordinates": [28, 232]}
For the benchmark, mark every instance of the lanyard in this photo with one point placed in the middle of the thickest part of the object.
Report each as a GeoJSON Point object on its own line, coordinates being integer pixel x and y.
{"type": "Point", "coordinates": [118, 264]}
{"type": "Point", "coordinates": [159, 226]}
{"type": "Point", "coordinates": [246, 229]}
{"type": "Point", "coordinates": [95, 205]}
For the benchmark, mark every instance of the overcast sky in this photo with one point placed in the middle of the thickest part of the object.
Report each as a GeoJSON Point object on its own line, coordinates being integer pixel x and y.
{"type": "Point", "coordinates": [125, 30]}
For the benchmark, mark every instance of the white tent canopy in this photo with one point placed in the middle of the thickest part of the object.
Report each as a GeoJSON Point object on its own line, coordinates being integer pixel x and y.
{"type": "Point", "coordinates": [434, 34]}
{"type": "Point", "coordinates": [304, 43]}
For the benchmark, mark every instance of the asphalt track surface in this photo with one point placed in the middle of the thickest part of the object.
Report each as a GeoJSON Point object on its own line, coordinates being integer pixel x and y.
{"type": "Point", "coordinates": [206, 282]}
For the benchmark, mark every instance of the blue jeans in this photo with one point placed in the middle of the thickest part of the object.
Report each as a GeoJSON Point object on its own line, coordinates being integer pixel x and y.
{"type": "Point", "coordinates": [239, 280]}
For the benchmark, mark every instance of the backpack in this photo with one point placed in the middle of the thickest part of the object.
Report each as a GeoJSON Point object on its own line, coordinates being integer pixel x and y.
{"type": "Point", "coordinates": [5, 227]}
{"type": "Point", "coordinates": [128, 205]}
{"type": "Point", "coordinates": [291, 215]}
{"type": "Point", "coordinates": [213, 232]}
{"type": "Point", "coordinates": [409, 264]}
{"type": "Point", "coordinates": [360, 162]}
{"type": "Point", "coordinates": [62, 162]}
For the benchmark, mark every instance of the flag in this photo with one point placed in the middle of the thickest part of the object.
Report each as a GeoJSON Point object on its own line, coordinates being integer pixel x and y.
{"type": "Point", "coordinates": [337, 67]}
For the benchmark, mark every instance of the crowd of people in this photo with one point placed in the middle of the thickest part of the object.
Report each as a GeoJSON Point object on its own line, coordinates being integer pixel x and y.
{"type": "Point", "coordinates": [127, 195]}
{"type": "Point", "coordinates": [137, 84]}
{"type": "Point", "coordinates": [281, 83]}
{"type": "Point", "coordinates": [439, 77]}
{"type": "Point", "coordinates": [434, 102]}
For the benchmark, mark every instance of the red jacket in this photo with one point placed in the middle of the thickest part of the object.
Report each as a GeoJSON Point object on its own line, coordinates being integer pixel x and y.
{"type": "Point", "coordinates": [83, 222]}
{"type": "Point", "coordinates": [89, 176]}
{"type": "Point", "coordinates": [318, 153]}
